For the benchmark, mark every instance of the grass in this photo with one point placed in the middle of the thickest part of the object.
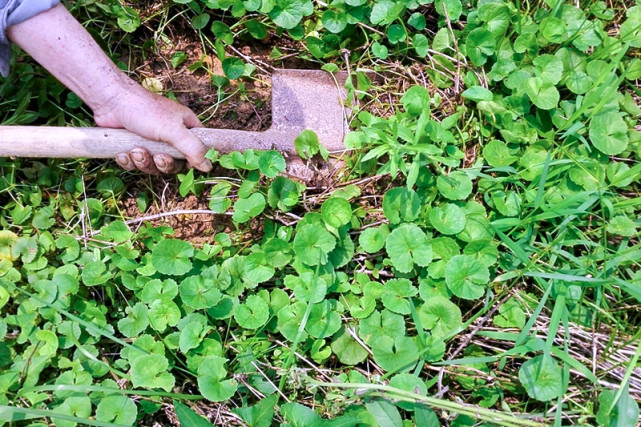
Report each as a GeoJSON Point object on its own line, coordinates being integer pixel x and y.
{"type": "Point", "coordinates": [87, 305]}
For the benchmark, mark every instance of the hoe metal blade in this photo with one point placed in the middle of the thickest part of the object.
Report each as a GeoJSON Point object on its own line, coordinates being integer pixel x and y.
{"type": "Point", "coordinates": [301, 99]}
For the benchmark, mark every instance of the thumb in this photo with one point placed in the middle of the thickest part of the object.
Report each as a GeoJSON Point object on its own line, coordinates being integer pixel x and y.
{"type": "Point", "coordinates": [192, 147]}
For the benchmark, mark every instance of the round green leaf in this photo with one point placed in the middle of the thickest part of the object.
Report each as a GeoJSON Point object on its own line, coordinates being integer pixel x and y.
{"type": "Point", "coordinates": [451, 9]}
{"type": "Point", "coordinates": [336, 211]}
{"type": "Point", "coordinates": [440, 315]}
{"type": "Point", "coordinates": [253, 313]}
{"type": "Point", "coordinates": [380, 50]}
{"type": "Point", "coordinates": [287, 13]}
{"type": "Point", "coordinates": [456, 186]}
{"type": "Point", "coordinates": [395, 354]}
{"type": "Point", "coordinates": [233, 67]}
{"type": "Point", "coordinates": [199, 292]}
{"type": "Point", "coordinates": [549, 68]}
{"type": "Point", "coordinates": [466, 276]}
{"type": "Point", "coordinates": [497, 154]}
{"type": "Point", "coordinates": [334, 21]}
{"type": "Point", "coordinates": [271, 163]}
{"type": "Point", "coordinates": [396, 33]}
{"type": "Point", "coordinates": [245, 209]}
{"type": "Point", "coordinates": [480, 44]}
{"type": "Point", "coordinates": [200, 21]}
{"type": "Point", "coordinates": [623, 226]}
{"type": "Point", "coordinates": [624, 413]}
{"type": "Point", "coordinates": [312, 244]}
{"type": "Point", "coordinates": [540, 376]}
{"type": "Point", "coordinates": [448, 218]}
{"type": "Point", "coordinates": [372, 239]}
{"type": "Point", "coordinates": [421, 45]}
{"type": "Point", "coordinates": [324, 320]}
{"type": "Point", "coordinates": [347, 349]}
{"type": "Point", "coordinates": [151, 371]}
{"type": "Point", "coordinates": [609, 133]}
{"type": "Point", "coordinates": [117, 409]}
{"type": "Point", "coordinates": [171, 257]}
{"type": "Point", "coordinates": [283, 193]}
{"type": "Point", "coordinates": [211, 379]}
{"type": "Point", "coordinates": [400, 203]}
{"type": "Point", "coordinates": [408, 245]}
{"type": "Point", "coordinates": [542, 93]}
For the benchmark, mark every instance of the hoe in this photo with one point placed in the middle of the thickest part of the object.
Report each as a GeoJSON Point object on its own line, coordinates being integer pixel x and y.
{"type": "Point", "coordinates": [301, 99]}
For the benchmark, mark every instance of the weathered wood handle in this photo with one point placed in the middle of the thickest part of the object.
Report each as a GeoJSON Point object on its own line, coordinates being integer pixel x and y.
{"type": "Point", "coordinates": [70, 142]}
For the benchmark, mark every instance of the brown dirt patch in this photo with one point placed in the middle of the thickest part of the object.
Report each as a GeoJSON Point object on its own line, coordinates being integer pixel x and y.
{"type": "Point", "coordinates": [172, 210]}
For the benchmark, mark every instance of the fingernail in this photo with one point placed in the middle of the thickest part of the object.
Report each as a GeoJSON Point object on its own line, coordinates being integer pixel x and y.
{"type": "Point", "coordinates": [205, 166]}
{"type": "Point", "coordinates": [137, 156]}
{"type": "Point", "coordinates": [122, 159]}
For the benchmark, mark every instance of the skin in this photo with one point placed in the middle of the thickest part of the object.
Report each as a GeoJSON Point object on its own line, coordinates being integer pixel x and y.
{"type": "Point", "coordinates": [60, 44]}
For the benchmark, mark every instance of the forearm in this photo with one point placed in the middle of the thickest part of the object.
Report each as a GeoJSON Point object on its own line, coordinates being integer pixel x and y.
{"type": "Point", "coordinates": [61, 45]}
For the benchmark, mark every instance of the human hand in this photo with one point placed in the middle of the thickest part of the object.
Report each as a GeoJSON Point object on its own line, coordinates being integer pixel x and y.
{"type": "Point", "coordinates": [157, 118]}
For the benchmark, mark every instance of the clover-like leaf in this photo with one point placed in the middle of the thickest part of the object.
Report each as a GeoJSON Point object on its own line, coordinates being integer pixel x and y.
{"type": "Point", "coordinates": [623, 226]}
{"type": "Point", "coordinates": [163, 313]}
{"type": "Point", "coordinates": [253, 313]}
{"type": "Point", "coordinates": [334, 21]}
{"type": "Point", "coordinates": [150, 371]}
{"type": "Point", "coordinates": [192, 335]}
{"type": "Point", "coordinates": [218, 200]}
{"type": "Point", "coordinates": [135, 322]}
{"type": "Point", "coordinates": [440, 315]}
{"type": "Point", "coordinates": [307, 287]}
{"type": "Point", "coordinates": [172, 257]}
{"type": "Point", "coordinates": [306, 144]}
{"type": "Point", "coordinates": [408, 245]}
{"type": "Point", "coordinates": [540, 378]}
{"type": "Point", "coordinates": [290, 318]}
{"type": "Point", "coordinates": [396, 294]}
{"type": "Point", "coordinates": [416, 100]}
{"type": "Point", "coordinates": [456, 186]}
{"type": "Point", "coordinates": [497, 154]}
{"type": "Point", "coordinates": [156, 289]}
{"type": "Point", "coordinates": [380, 324]}
{"type": "Point", "coordinates": [625, 412]}
{"type": "Point", "coordinates": [336, 211]}
{"type": "Point", "coordinates": [401, 204]}
{"type": "Point", "coordinates": [398, 354]}
{"type": "Point", "coordinates": [348, 350]}
{"type": "Point", "coordinates": [199, 292]}
{"type": "Point", "coordinates": [466, 276]}
{"type": "Point", "coordinates": [117, 409]}
{"type": "Point", "coordinates": [323, 320]}
{"type": "Point", "coordinates": [283, 193]}
{"type": "Point", "coordinates": [313, 243]}
{"type": "Point", "coordinates": [448, 218]}
{"type": "Point", "coordinates": [259, 415]}
{"type": "Point", "coordinates": [211, 379]}
{"type": "Point", "coordinates": [609, 133]}
{"type": "Point", "coordinates": [246, 209]}
{"type": "Point", "coordinates": [542, 93]}
{"type": "Point", "coordinates": [372, 239]}
{"type": "Point", "coordinates": [271, 163]}
{"type": "Point", "coordinates": [549, 68]}
{"type": "Point", "coordinates": [510, 315]}
{"type": "Point", "coordinates": [95, 273]}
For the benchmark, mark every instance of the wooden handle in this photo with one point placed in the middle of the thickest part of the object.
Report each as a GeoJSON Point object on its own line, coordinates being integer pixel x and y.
{"type": "Point", "coordinates": [69, 142]}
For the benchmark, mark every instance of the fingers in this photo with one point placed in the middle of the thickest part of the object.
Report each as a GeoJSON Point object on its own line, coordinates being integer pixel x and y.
{"type": "Point", "coordinates": [167, 164]}
{"type": "Point", "coordinates": [125, 162]}
{"type": "Point", "coordinates": [191, 120]}
{"type": "Point", "coordinates": [192, 147]}
{"type": "Point", "coordinates": [140, 159]}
